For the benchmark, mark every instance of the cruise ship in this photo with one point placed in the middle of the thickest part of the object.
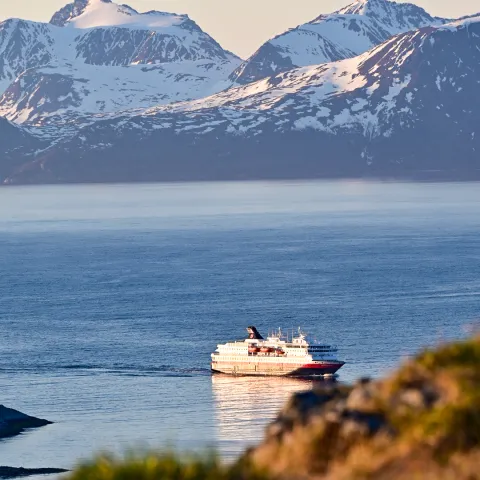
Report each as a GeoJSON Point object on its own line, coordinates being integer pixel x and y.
{"type": "Point", "coordinates": [275, 355]}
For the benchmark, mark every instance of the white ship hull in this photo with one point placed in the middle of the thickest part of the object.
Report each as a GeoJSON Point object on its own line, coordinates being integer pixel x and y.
{"type": "Point", "coordinates": [277, 368]}
{"type": "Point", "coordinates": [274, 356]}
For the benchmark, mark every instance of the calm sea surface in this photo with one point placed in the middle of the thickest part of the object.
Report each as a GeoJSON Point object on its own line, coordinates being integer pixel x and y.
{"type": "Point", "coordinates": [113, 297]}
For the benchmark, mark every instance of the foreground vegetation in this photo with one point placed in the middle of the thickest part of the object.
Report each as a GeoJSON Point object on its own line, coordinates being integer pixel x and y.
{"type": "Point", "coordinates": [165, 466]}
{"type": "Point", "coordinates": [421, 423]}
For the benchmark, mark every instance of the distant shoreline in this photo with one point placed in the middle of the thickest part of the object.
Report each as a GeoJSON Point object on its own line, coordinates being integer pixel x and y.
{"type": "Point", "coordinates": [420, 179]}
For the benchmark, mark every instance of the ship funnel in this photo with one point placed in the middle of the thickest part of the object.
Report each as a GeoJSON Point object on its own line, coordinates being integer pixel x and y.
{"type": "Point", "coordinates": [253, 333]}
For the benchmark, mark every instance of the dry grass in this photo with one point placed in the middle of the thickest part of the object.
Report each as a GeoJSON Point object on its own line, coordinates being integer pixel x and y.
{"type": "Point", "coordinates": [163, 466]}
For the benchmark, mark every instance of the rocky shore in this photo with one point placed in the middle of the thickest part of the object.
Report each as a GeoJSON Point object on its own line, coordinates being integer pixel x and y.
{"type": "Point", "coordinates": [12, 472]}
{"type": "Point", "coordinates": [423, 422]}
{"type": "Point", "coordinates": [13, 422]}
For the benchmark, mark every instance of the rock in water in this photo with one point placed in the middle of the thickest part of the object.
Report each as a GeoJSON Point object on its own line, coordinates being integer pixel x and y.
{"type": "Point", "coordinates": [13, 422]}
{"type": "Point", "coordinates": [12, 472]}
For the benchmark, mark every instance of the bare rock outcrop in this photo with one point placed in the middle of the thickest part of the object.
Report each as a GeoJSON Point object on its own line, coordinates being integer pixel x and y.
{"type": "Point", "coordinates": [13, 422]}
{"type": "Point", "coordinates": [12, 472]}
{"type": "Point", "coordinates": [422, 422]}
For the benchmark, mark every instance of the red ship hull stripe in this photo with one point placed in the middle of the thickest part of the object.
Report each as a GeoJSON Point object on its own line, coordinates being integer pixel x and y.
{"type": "Point", "coordinates": [322, 365]}
{"type": "Point", "coordinates": [286, 363]}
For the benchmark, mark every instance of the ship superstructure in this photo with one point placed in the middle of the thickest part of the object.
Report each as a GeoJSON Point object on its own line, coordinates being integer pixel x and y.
{"type": "Point", "coordinates": [275, 355]}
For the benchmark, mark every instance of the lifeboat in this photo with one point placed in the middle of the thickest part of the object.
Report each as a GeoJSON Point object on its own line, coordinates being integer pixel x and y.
{"type": "Point", "coordinates": [280, 351]}
{"type": "Point", "coordinates": [264, 349]}
{"type": "Point", "coordinates": [253, 349]}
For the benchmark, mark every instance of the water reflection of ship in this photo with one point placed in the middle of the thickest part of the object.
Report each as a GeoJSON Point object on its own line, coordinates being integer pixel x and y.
{"type": "Point", "coordinates": [245, 405]}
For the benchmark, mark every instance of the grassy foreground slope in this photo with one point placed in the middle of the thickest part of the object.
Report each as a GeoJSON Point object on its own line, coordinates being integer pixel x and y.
{"type": "Point", "coordinates": [165, 466]}
{"type": "Point", "coordinates": [421, 423]}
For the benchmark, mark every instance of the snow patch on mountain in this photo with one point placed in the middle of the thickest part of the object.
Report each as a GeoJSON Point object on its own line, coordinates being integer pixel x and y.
{"type": "Point", "coordinates": [101, 13]}
{"type": "Point", "coordinates": [463, 22]}
{"type": "Point", "coordinates": [57, 93]}
{"type": "Point", "coordinates": [315, 83]}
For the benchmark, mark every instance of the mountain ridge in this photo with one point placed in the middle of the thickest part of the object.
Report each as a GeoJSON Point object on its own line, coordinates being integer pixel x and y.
{"type": "Point", "coordinates": [345, 33]}
{"type": "Point", "coordinates": [405, 108]}
{"type": "Point", "coordinates": [375, 115]}
{"type": "Point", "coordinates": [84, 14]}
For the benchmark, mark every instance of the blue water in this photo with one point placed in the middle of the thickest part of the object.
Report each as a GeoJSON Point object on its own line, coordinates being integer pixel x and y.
{"type": "Point", "coordinates": [113, 297]}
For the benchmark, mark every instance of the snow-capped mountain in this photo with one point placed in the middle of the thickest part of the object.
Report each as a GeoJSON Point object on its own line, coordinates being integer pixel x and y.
{"type": "Point", "coordinates": [343, 34]}
{"type": "Point", "coordinates": [96, 56]}
{"type": "Point", "coordinates": [112, 34]}
{"type": "Point", "coordinates": [407, 108]}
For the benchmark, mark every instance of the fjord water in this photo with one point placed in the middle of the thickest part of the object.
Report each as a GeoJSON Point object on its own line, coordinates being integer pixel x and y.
{"type": "Point", "coordinates": [113, 297]}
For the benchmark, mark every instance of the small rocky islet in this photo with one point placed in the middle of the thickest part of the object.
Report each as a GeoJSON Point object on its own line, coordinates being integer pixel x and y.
{"type": "Point", "coordinates": [13, 472]}
{"type": "Point", "coordinates": [12, 423]}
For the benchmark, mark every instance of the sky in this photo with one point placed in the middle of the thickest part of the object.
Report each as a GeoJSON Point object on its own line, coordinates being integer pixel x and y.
{"type": "Point", "coordinates": [238, 25]}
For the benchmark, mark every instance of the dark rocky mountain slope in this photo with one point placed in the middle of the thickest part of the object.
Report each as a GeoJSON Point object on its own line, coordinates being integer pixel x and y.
{"type": "Point", "coordinates": [17, 147]}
